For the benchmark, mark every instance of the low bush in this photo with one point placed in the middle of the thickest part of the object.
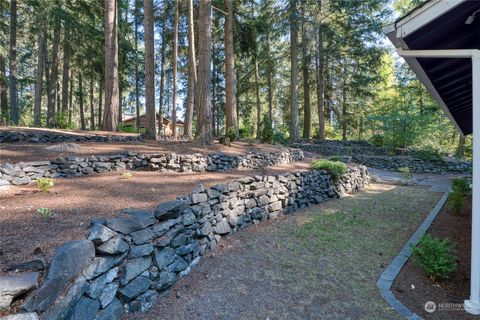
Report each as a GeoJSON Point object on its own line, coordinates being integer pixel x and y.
{"type": "Point", "coordinates": [45, 213]}
{"type": "Point", "coordinates": [457, 198]}
{"type": "Point", "coordinates": [429, 155]}
{"type": "Point", "coordinates": [44, 184]}
{"type": "Point", "coordinates": [377, 140]}
{"type": "Point", "coordinates": [231, 134]}
{"type": "Point", "coordinates": [280, 138]}
{"type": "Point", "coordinates": [335, 158]}
{"type": "Point", "coordinates": [406, 173]}
{"type": "Point", "coordinates": [126, 175]}
{"type": "Point", "coordinates": [267, 130]}
{"type": "Point", "coordinates": [335, 168]}
{"type": "Point", "coordinates": [435, 257]}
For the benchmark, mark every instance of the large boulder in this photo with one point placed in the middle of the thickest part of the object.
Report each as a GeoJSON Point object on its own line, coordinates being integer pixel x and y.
{"type": "Point", "coordinates": [12, 286]}
{"type": "Point", "coordinates": [69, 260]}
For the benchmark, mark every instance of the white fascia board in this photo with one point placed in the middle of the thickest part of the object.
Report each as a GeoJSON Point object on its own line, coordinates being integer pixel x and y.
{"type": "Point", "coordinates": [422, 76]}
{"type": "Point", "coordinates": [424, 15]}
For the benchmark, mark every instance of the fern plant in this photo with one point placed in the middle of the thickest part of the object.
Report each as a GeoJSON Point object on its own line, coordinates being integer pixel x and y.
{"type": "Point", "coordinates": [44, 184]}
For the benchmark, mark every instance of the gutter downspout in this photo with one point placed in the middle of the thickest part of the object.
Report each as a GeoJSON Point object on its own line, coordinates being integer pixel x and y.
{"type": "Point", "coordinates": [473, 304]}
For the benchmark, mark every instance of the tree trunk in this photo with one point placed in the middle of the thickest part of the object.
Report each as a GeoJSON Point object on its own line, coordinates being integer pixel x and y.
{"type": "Point", "coordinates": [54, 77]}
{"type": "Point", "coordinates": [66, 72]}
{"type": "Point", "coordinates": [257, 96]}
{"type": "Point", "coordinates": [14, 111]}
{"type": "Point", "coordinates": [150, 119]}
{"type": "Point", "coordinates": [111, 67]}
{"type": "Point", "coordinates": [307, 112]}
{"type": "Point", "coordinates": [293, 72]}
{"type": "Point", "coordinates": [83, 125]}
{"type": "Point", "coordinates": [461, 146]}
{"type": "Point", "coordinates": [215, 113]}
{"type": "Point", "coordinates": [192, 73]}
{"type": "Point", "coordinates": [3, 92]}
{"type": "Point", "coordinates": [231, 104]}
{"type": "Point", "coordinates": [37, 107]}
{"type": "Point", "coordinates": [344, 105]}
{"type": "Point", "coordinates": [204, 123]}
{"type": "Point", "coordinates": [269, 81]}
{"type": "Point", "coordinates": [174, 63]}
{"type": "Point", "coordinates": [137, 78]}
{"type": "Point", "coordinates": [320, 77]}
{"type": "Point", "coordinates": [100, 102]}
{"type": "Point", "coordinates": [162, 81]}
{"type": "Point", "coordinates": [70, 106]}
{"type": "Point", "coordinates": [92, 111]}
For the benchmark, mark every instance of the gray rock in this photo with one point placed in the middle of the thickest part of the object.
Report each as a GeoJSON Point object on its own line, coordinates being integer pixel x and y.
{"type": "Point", "coordinates": [33, 265]}
{"type": "Point", "coordinates": [178, 265]}
{"type": "Point", "coordinates": [12, 286]}
{"type": "Point", "coordinates": [96, 286]}
{"type": "Point", "coordinates": [86, 309]}
{"type": "Point", "coordinates": [199, 198]}
{"type": "Point", "coordinates": [98, 233]}
{"type": "Point", "coordinates": [21, 316]}
{"type": "Point", "coordinates": [223, 227]}
{"type": "Point", "coordinates": [142, 236]}
{"type": "Point", "coordinates": [134, 267]}
{"type": "Point", "coordinates": [101, 265]}
{"type": "Point", "coordinates": [275, 206]}
{"type": "Point", "coordinates": [108, 294]}
{"type": "Point", "coordinates": [21, 180]}
{"type": "Point", "coordinates": [112, 312]}
{"type": "Point", "coordinates": [140, 251]}
{"type": "Point", "coordinates": [183, 250]}
{"type": "Point", "coordinates": [123, 225]}
{"type": "Point", "coordinates": [138, 286]}
{"type": "Point", "coordinates": [206, 229]}
{"type": "Point", "coordinates": [111, 275]}
{"type": "Point", "coordinates": [145, 218]}
{"type": "Point", "coordinates": [69, 260]}
{"type": "Point", "coordinates": [64, 305]}
{"type": "Point", "coordinates": [179, 240]}
{"type": "Point", "coordinates": [165, 280]}
{"type": "Point", "coordinates": [114, 246]}
{"type": "Point", "coordinates": [170, 209]}
{"type": "Point", "coordinates": [144, 302]}
{"type": "Point", "coordinates": [164, 257]}
{"type": "Point", "coordinates": [189, 218]}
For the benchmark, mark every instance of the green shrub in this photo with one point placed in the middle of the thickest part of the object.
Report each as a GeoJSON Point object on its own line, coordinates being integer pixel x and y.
{"type": "Point", "coordinates": [243, 132]}
{"type": "Point", "coordinates": [267, 130]}
{"type": "Point", "coordinates": [44, 184]}
{"type": "Point", "coordinates": [457, 198]}
{"type": "Point", "coordinates": [429, 155]}
{"type": "Point", "coordinates": [126, 128]}
{"type": "Point", "coordinates": [377, 140]}
{"type": "Point", "coordinates": [231, 134]}
{"type": "Point", "coordinates": [435, 256]}
{"type": "Point", "coordinates": [406, 173]}
{"type": "Point", "coordinates": [45, 213]}
{"type": "Point", "coordinates": [335, 158]}
{"type": "Point", "coordinates": [280, 138]}
{"type": "Point", "coordinates": [126, 175]}
{"type": "Point", "coordinates": [334, 168]}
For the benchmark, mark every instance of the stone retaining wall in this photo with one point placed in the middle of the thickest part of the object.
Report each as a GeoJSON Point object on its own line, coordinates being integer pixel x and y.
{"type": "Point", "coordinates": [58, 137]}
{"type": "Point", "coordinates": [128, 260]}
{"type": "Point", "coordinates": [416, 165]}
{"type": "Point", "coordinates": [382, 158]}
{"type": "Point", "coordinates": [25, 172]}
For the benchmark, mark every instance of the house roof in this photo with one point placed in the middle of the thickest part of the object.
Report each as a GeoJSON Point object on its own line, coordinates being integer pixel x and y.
{"type": "Point", "coordinates": [436, 25]}
{"type": "Point", "coordinates": [132, 118]}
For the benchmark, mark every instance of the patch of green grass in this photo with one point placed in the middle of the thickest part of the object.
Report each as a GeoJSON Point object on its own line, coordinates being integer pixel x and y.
{"type": "Point", "coordinates": [335, 168]}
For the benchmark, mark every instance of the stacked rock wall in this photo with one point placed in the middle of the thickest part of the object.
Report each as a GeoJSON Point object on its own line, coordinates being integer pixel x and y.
{"type": "Point", "coordinates": [33, 136]}
{"type": "Point", "coordinates": [25, 172]}
{"type": "Point", "coordinates": [128, 260]}
{"type": "Point", "coordinates": [382, 158]}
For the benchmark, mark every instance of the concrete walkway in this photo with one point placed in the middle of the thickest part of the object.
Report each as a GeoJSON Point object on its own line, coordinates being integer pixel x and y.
{"type": "Point", "coordinates": [437, 182]}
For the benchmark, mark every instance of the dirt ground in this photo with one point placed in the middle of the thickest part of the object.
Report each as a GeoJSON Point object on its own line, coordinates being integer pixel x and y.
{"type": "Point", "coordinates": [12, 153]}
{"type": "Point", "coordinates": [318, 263]}
{"type": "Point", "coordinates": [456, 227]}
{"type": "Point", "coordinates": [75, 201]}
